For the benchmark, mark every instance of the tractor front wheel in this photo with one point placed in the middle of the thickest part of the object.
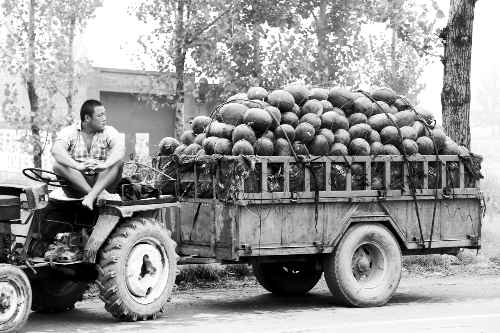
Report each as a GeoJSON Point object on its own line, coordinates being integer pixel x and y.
{"type": "Point", "coordinates": [15, 298]}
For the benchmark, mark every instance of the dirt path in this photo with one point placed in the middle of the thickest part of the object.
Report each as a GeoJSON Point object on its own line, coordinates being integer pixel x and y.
{"type": "Point", "coordinates": [462, 303]}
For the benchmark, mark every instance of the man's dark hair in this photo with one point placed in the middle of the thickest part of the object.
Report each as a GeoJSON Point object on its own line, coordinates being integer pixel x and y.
{"type": "Point", "coordinates": [88, 108]}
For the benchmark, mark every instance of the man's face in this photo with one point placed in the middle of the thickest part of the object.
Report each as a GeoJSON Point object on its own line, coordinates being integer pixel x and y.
{"type": "Point", "coordinates": [98, 120]}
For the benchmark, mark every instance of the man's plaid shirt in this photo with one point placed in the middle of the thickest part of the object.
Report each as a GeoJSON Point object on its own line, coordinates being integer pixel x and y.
{"type": "Point", "coordinates": [99, 149]}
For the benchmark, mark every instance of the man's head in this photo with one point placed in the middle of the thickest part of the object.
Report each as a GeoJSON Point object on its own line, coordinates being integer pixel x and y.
{"type": "Point", "coordinates": [93, 113]}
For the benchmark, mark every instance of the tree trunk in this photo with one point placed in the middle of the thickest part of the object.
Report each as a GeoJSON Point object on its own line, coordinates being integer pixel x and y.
{"type": "Point", "coordinates": [456, 93]}
{"type": "Point", "coordinates": [71, 74]}
{"type": "Point", "coordinates": [394, 60]}
{"type": "Point", "coordinates": [257, 70]}
{"type": "Point", "coordinates": [32, 94]}
{"type": "Point", "coordinates": [180, 58]}
{"type": "Point", "coordinates": [321, 32]}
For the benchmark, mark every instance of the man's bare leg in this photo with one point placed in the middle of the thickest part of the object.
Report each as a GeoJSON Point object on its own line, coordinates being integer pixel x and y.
{"type": "Point", "coordinates": [76, 178]}
{"type": "Point", "coordinates": [103, 181]}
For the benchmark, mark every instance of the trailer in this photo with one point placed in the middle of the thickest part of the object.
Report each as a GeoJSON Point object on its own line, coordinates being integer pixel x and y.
{"type": "Point", "coordinates": [351, 217]}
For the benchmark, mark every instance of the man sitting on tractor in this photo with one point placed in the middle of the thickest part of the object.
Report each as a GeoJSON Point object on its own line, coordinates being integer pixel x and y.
{"type": "Point", "coordinates": [90, 155]}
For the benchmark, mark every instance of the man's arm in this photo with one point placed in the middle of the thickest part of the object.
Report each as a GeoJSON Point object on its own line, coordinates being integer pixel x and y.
{"type": "Point", "coordinates": [62, 156]}
{"type": "Point", "coordinates": [116, 154]}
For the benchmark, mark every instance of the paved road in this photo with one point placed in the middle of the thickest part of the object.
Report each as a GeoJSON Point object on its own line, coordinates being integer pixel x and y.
{"type": "Point", "coordinates": [445, 304]}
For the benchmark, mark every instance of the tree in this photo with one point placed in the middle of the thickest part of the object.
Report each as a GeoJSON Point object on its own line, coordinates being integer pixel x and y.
{"type": "Point", "coordinates": [397, 59]}
{"type": "Point", "coordinates": [173, 42]}
{"type": "Point", "coordinates": [39, 35]}
{"type": "Point", "coordinates": [456, 93]}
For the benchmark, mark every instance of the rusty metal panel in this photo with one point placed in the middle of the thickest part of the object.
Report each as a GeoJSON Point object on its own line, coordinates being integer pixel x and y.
{"type": "Point", "coordinates": [195, 223]}
{"type": "Point", "coordinates": [460, 219]}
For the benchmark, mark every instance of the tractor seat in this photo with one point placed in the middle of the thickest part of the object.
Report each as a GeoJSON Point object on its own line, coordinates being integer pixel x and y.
{"type": "Point", "coordinates": [58, 195]}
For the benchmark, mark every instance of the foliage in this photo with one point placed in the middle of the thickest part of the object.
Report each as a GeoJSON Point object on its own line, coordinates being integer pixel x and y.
{"type": "Point", "coordinates": [46, 64]}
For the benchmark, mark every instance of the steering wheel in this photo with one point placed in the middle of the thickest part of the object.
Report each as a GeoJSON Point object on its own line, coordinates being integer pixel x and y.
{"type": "Point", "coordinates": [37, 174]}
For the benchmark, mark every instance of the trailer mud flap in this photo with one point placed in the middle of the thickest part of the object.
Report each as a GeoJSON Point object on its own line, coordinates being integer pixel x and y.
{"type": "Point", "coordinates": [105, 224]}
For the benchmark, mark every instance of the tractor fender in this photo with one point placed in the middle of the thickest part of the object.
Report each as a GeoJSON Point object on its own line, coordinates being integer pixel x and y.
{"type": "Point", "coordinates": [107, 221]}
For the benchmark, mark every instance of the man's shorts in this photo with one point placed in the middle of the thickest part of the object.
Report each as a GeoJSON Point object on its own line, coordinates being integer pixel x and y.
{"type": "Point", "coordinates": [91, 180]}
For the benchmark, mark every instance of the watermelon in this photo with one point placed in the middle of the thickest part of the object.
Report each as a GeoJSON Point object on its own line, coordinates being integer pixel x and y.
{"type": "Point", "coordinates": [380, 108]}
{"type": "Point", "coordinates": [405, 118]}
{"type": "Point", "coordinates": [223, 147]}
{"type": "Point", "coordinates": [282, 148]}
{"type": "Point", "coordinates": [265, 134]}
{"type": "Point", "coordinates": [168, 145]}
{"type": "Point", "coordinates": [299, 92]}
{"type": "Point", "coordinates": [295, 109]}
{"type": "Point", "coordinates": [342, 136]}
{"type": "Point", "coordinates": [333, 121]}
{"type": "Point", "coordinates": [275, 116]}
{"type": "Point", "coordinates": [362, 131]}
{"type": "Point", "coordinates": [374, 137]}
{"type": "Point", "coordinates": [439, 138]}
{"type": "Point", "coordinates": [450, 148]}
{"type": "Point", "coordinates": [410, 146]}
{"type": "Point", "coordinates": [232, 113]}
{"type": "Point", "coordinates": [383, 94]}
{"type": "Point", "coordinates": [281, 99]}
{"type": "Point", "coordinates": [257, 119]}
{"type": "Point", "coordinates": [379, 121]}
{"type": "Point", "coordinates": [363, 105]}
{"type": "Point", "coordinates": [359, 147]}
{"type": "Point", "coordinates": [242, 147]}
{"type": "Point", "coordinates": [328, 134]}
{"type": "Point", "coordinates": [263, 147]}
{"type": "Point", "coordinates": [256, 103]}
{"type": "Point", "coordinates": [419, 128]}
{"type": "Point", "coordinates": [408, 132]}
{"type": "Point", "coordinates": [463, 151]}
{"type": "Point", "coordinates": [424, 113]}
{"type": "Point", "coordinates": [425, 145]}
{"type": "Point", "coordinates": [327, 106]}
{"type": "Point", "coordinates": [289, 118]}
{"type": "Point", "coordinates": [257, 93]}
{"type": "Point", "coordinates": [312, 119]}
{"type": "Point", "coordinates": [300, 148]}
{"type": "Point", "coordinates": [339, 111]}
{"type": "Point", "coordinates": [180, 149]}
{"type": "Point", "coordinates": [390, 135]}
{"type": "Point", "coordinates": [391, 150]}
{"type": "Point", "coordinates": [200, 123]}
{"type": "Point", "coordinates": [341, 98]}
{"type": "Point", "coordinates": [304, 133]}
{"type": "Point", "coordinates": [319, 145]}
{"type": "Point", "coordinates": [284, 131]}
{"type": "Point", "coordinates": [377, 148]}
{"type": "Point", "coordinates": [199, 138]}
{"type": "Point", "coordinates": [192, 149]}
{"type": "Point", "coordinates": [400, 104]}
{"type": "Point", "coordinates": [320, 94]}
{"type": "Point", "coordinates": [338, 149]}
{"type": "Point", "coordinates": [357, 118]}
{"type": "Point", "coordinates": [187, 137]}
{"type": "Point", "coordinates": [220, 130]}
{"type": "Point", "coordinates": [238, 97]}
{"type": "Point", "coordinates": [243, 132]}
{"type": "Point", "coordinates": [311, 106]}
{"type": "Point", "coordinates": [359, 94]}
{"type": "Point", "coordinates": [208, 144]}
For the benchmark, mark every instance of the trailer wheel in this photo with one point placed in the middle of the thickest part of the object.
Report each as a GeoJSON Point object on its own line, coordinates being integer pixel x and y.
{"type": "Point", "coordinates": [15, 298]}
{"type": "Point", "coordinates": [51, 295]}
{"type": "Point", "coordinates": [287, 278]}
{"type": "Point", "coordinates": [136, 269]}
{"type": "Point", "coordinates": [365, 267]}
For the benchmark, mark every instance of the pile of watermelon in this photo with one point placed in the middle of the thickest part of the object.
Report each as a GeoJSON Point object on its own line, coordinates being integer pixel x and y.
{"type": "Point", "coordinates": [318, 121]}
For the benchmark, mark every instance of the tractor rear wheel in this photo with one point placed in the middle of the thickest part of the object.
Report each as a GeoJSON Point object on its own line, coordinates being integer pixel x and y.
{"type": "Point", "coordinates": [50, 295]}
{"type": "Point", "coordinates": [287, 278]}
{"type": "Point", "coordinates": [136, 269]}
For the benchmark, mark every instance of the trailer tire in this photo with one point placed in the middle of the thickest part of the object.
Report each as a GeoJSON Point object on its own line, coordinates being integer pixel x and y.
{"type": "Point", "coordinates": [364, 269]}
{"type": "Point", "coordinates": [51, 295]}
{"type": "Point", "coordinates": [136, 269]}
{"type": "Point", "coordinates": [15, 299]}
{"type": "Point", "coordinates": [287, 278]}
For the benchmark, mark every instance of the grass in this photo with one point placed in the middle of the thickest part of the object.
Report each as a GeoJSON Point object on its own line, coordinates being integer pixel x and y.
{"type": "Point", "coordinates": [213, 275]}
